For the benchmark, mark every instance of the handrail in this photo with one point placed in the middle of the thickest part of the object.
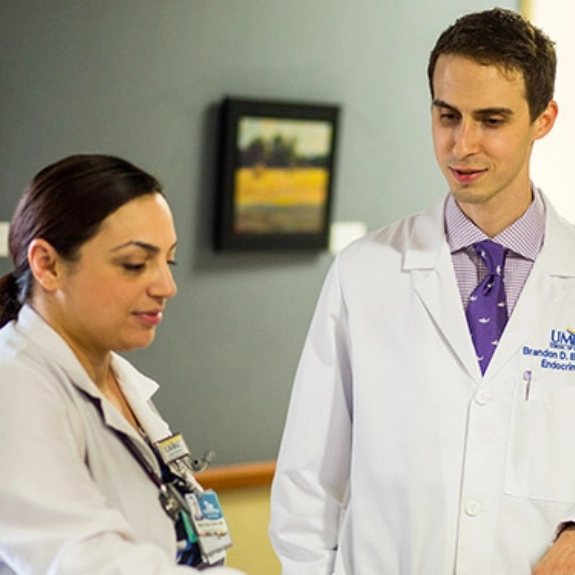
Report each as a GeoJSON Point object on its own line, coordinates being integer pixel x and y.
{"type": "Point", "coordinates": [238, 476]}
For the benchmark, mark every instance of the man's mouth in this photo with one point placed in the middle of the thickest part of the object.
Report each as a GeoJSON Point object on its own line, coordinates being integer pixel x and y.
{"type": "Point", "coordinates": [466, 176]}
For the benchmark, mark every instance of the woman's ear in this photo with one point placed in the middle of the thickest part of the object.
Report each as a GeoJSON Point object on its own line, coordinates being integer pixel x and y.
{"type": "Point", "coordinates": [45, 264]}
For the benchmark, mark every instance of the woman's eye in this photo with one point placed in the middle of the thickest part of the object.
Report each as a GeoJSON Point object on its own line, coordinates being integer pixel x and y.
{"type": "Point", "coordinates": [172, 263]}
{"type": "Point", "coordinates": [133, 267]}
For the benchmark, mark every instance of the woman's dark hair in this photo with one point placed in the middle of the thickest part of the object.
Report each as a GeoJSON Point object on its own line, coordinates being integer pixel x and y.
{"type": "Point", "coordinates": [65, 205]}
{"type": "Point", "coordinates": [503, 38]}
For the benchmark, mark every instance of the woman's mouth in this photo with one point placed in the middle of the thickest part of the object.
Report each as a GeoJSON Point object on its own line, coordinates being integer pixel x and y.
{"type": "Point", "coordinates": [150, 317]}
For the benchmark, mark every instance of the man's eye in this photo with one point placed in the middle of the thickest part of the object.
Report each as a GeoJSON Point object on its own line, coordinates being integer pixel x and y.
{"type": "Point", "coordinates": [172, 263]}
{"type": "Point", "coordinates": [448, 117]}
{"type": "Point", "coordinates": [493, 122]}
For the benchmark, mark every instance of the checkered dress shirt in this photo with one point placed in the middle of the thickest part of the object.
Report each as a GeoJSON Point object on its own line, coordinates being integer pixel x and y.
{"type": "Point", "coordinates": [524, 239]}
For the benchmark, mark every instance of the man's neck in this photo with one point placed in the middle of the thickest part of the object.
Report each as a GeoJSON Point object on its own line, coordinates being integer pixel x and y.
{"type": "Point", "coordinates": [493, 219]}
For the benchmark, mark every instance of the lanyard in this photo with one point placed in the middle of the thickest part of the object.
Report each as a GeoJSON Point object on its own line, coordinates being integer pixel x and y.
{"type": "Point", "coordinates": [125, 439]}
{"type": "Point", "coordinates": [199, 549]}
{"type": "Point", "coordinates": [139, 458]}
{"type": "Point", "coordinates": [171, 499]}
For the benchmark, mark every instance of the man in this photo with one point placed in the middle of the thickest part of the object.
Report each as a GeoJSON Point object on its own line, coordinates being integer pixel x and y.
{"type": "Point", "coordinates": [415, 443]}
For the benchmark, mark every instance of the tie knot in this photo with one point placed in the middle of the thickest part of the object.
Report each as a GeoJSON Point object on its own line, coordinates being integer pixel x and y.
{"type": "Point", "coordinates": [492, 254]}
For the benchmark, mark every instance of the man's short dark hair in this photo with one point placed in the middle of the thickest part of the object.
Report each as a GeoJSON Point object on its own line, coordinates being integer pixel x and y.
{"type": "Point", "coordinates": [505, 39]}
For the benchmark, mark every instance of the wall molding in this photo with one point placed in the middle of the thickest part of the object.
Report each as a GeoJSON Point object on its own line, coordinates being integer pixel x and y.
{"type": "Point", "coordinates": [238, 476]}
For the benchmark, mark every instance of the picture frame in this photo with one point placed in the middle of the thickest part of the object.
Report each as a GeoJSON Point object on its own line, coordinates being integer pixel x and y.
{"type": "Point", "coordinates": [276, 174]}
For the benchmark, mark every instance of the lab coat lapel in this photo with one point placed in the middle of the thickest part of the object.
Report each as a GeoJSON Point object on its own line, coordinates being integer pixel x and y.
{"type": "Point", "coordinates": [110, 415]}
{"type": "Point", "coordinates": [78, 377]}
{"type": "Point", "coordinates": [113, 419]}
{"type": "Point", "coordinates": [64, 359]}
{"type": "Point", "coordinates": [551, 280]}
{"type": "Point", "coordinates": [428, 259]}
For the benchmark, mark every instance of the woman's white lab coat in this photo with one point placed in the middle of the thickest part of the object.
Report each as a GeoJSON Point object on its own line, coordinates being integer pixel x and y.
{"type": "Point", "coordinates": [398, 457]}
{"type": "Point", "coordinates": [73, 500]}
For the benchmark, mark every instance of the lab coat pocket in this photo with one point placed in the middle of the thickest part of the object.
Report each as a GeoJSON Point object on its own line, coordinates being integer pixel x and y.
{"type": "Point", "coordinates": [541, 450]}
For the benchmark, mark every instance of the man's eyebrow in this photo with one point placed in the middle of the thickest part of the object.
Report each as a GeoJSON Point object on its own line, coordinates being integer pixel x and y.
{"type": "Point", "coordinates": [495, 112]}
{"type": "Point", "coordinates": [437, 103]}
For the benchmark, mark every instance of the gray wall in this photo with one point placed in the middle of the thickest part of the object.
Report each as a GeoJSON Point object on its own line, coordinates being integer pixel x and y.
{"type": "Point", "coordinates": [141, 78]}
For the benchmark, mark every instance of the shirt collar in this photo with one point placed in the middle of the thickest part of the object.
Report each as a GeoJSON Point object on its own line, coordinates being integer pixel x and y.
{"type": "Point", "coordinates": [138, 390]}
{"type": "Point", "coordinates": [524, 236]}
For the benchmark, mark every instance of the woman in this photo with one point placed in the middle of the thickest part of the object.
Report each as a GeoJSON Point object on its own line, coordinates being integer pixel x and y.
{"type": "Point", "coordinates": [92, 242]}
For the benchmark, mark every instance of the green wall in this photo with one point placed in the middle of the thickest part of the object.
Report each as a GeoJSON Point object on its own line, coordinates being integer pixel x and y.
{"type": "Point", "coordinates": [141, 79]}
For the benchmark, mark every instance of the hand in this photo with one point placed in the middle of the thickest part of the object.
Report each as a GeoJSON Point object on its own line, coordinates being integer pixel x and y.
{"type": "Point", "coordinates": [560, 558]}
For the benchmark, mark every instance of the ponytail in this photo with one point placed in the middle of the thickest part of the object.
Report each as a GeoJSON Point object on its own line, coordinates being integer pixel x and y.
{"type": "Point", "coordinates": [9, 302]}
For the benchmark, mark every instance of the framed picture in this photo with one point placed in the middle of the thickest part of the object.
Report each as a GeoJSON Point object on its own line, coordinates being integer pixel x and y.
{"type": "Point", "coordinates": [276, 168]}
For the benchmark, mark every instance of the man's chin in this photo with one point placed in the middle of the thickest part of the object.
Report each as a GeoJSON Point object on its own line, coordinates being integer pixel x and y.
{"type": "Point", "coordinates": [469, 194]}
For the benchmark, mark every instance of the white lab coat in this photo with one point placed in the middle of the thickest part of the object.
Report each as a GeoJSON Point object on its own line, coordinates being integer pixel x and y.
{"type": "Point", "coordinates": [73, 500]}
{"type": "Point", "coordinates": [398, 458]}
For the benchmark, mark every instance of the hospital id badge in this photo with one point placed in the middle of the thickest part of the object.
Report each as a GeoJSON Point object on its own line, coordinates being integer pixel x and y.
{"type": "Point", "coordinates": [209, 524]}
{"type": "Point", "coordinates": [172, 448]}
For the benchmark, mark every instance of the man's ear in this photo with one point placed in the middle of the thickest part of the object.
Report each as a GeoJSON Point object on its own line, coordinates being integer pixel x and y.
{"type": "Point", "coordinates": [45, 264]}
{"type": "Point", "coordinates": [546, 119]}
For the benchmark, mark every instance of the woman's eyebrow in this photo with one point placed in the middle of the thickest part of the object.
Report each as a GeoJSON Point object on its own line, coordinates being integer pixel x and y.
{"type": "Point", "coordinates": [144, 245]}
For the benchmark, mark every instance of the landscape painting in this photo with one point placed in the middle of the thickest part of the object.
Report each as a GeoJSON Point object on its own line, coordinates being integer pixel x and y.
{"type": "Point", "coordinates": [279, 170]}
{"type": "Point", "coordinates": [282, 176]}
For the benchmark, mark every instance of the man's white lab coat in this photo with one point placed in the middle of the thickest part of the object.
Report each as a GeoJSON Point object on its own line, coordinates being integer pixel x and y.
{"type": "Point", "coordinates": [398, 457]}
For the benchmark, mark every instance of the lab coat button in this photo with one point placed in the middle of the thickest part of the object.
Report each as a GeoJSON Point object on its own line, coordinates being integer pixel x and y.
{"type": "Point", "coordinates": [481, 398]}
{"type": "Point", "coordinates": [472, 508]}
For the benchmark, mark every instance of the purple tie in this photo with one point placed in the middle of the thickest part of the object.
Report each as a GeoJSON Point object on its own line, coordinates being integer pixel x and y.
{"type": "Point", "coordinates": [487, 308]}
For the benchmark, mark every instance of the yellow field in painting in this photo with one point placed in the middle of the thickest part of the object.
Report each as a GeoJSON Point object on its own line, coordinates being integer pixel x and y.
{"type": "Point", "coordinates": [280, 187]}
